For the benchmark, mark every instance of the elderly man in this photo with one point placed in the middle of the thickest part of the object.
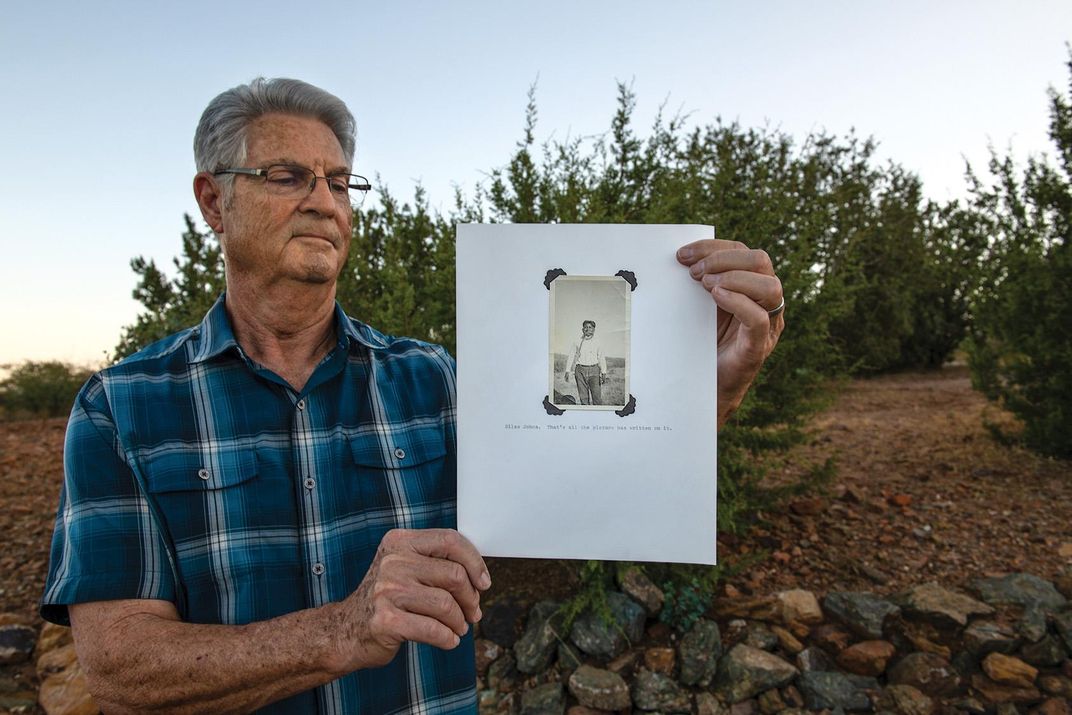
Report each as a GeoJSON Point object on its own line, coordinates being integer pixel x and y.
{"type": "Point", "coordinates": [257, 512]}
{"type": "Point", "coordinates": [588, 364]}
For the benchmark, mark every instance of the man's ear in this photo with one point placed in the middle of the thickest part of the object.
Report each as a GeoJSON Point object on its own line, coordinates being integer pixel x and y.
{"type": "Point", "coordinates": [209, 195]}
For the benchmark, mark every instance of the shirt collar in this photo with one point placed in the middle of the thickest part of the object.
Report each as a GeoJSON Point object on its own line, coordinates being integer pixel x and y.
{"type": "Point", "coordinates": [216, 334]}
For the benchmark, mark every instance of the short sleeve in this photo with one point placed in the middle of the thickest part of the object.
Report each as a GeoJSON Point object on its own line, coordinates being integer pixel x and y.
{"type": "Point", "coordinates": [106, 544]}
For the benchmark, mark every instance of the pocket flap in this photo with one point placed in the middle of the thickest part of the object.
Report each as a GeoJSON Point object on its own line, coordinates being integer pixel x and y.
{"type": "Point", "coordinates": [406, 448]}
{"type": "Point", "coordinates": [180, 471]}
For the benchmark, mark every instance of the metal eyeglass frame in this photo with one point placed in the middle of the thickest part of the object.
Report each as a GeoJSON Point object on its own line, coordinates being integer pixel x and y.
{"type": "Point", "coordinates": [364, 186]}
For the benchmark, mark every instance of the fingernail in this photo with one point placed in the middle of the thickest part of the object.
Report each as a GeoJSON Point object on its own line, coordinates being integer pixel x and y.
{"type": "Point", "coordinates": [684, 253]}
{"type": "Point", "coordinates": [485, 580]}
{"type": "Point", "coordinates": [711, 280]}
{"type": "Point", "coordinates": [697, 269]}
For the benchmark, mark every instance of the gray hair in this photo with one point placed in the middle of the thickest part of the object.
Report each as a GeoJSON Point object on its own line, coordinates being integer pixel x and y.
{"type": "Point", "coordinates": [220, 140]}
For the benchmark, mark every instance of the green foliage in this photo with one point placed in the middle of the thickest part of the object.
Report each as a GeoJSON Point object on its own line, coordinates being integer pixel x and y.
{"type": "Point", "coordinates": [171, 304]}
{"type": "Point", "coordinates": [41, 389]}
{"type": "Point", "coordinates": [686, 601]}
{"type": "Point", "coordinates": [595, 579]}
{"type": "Point", "coordinates": [399, 277]}
{"type": "Point", "coordinates": [1020, 349]}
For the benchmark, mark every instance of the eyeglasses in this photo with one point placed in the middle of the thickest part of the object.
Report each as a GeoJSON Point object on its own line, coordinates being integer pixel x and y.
{"type": "Point", "coordinates": [295, 182]}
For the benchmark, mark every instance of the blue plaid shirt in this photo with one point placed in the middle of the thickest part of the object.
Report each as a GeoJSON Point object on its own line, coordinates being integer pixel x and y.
{"type": "Point", "coordinates": [196, 476]}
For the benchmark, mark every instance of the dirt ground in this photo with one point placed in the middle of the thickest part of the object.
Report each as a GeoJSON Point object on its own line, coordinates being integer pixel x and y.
{"type": "Point", "coordinates": [922, 492]}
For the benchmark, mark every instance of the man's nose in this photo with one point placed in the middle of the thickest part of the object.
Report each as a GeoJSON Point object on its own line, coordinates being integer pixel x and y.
{"type": "Point", "coordinates": [320, 198]}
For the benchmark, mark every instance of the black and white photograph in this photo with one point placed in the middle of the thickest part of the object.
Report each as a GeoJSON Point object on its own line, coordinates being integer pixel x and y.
{"type": "Point", "coordinates": [589, 342]}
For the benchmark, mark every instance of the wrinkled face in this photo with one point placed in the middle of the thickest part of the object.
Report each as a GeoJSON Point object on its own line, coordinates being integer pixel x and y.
{"type": "Point", "coordinates": [272, 238]}
{"type": "Point", "coordinates": [588, 330]}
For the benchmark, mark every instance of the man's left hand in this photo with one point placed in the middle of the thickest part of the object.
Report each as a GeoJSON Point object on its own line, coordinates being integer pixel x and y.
{"type": "Point", "coordinates": [743, 285]}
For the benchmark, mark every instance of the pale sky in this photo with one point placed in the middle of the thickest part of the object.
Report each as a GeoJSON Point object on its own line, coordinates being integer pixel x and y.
{"type": "Point", "coordinates": [101, 101]}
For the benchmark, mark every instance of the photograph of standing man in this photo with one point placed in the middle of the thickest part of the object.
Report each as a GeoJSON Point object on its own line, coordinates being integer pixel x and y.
{"type": "Point", "coordinates": [589, 365]}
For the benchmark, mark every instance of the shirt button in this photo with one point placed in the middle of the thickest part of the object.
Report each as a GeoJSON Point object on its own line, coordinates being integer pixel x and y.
{"type": "Point", "coordinates": [301, 404]}
{"type": "Point", "coordinates": [318, 568]}
{"type": "Point", "coordinates": [400, 453]}
{"type": "Point", "coordinates": [310, 482]}
{"type": "Point", "coordinates": [203, 473]}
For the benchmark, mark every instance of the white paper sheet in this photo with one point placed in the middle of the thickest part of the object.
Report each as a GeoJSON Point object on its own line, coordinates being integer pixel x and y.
{"type": "Point", "coordinates": [588, 483]}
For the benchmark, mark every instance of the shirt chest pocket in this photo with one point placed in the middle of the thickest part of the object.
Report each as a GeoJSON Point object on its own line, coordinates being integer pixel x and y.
{"type": "Point", "coordinates": [203, 501]}
{"type": "Point", "coordinates": [404, 481]}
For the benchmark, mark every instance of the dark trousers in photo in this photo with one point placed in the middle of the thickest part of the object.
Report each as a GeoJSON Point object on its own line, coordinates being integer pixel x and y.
{"type": "Point", "coordinates": [589, 391]}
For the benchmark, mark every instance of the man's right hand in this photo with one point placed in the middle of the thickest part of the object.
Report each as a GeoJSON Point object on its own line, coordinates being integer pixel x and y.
{"type": "Point", "coordinates": [423, 586]}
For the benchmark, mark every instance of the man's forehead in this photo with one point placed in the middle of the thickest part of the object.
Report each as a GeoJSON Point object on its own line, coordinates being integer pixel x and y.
{"type": "Point", "coordinates": [292, 139]}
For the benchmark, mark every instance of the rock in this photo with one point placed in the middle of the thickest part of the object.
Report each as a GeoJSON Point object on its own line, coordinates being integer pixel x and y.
{"type": "Point", "coordinates": [1032, 623]}
{"type": "Point", "coordinates": [595, 637]}
{"type": "Point", "coordinates": [52, 637]}
{"type": "Point", "coordinates": [600, 689]}
{"type": "Point", "coordinates": [1053, 706]}
{"type": "Point", "coordinates": [652, 691]}
{"type": "Point", "coordinates": [831, 690]}
{"type": "Point", "coordinates": [863, 613]}
{"type": "Point", "coordinates": [487, 701]}
{"type": "Point", "coordinates": [569, 658]}
{"type": "Point", "coordinates": [746, 707]}
{"type": "Point", "coordinates": [765, 608]}
{"type": "Point", "coordinates": [1063, 623]}
{"type": "Point", "coordinates": [745, 672]}
{"type": "Point", "coordinates": [985, 637]}
{"type": "Point", "coordinates": [905, 700]}
{"type": "Point", "coordinates": [623, 662]}
{"type": "Point", "coordinates": [1019, 589]}
{"type": "Point", "coordinates": [998, 693]}
{"type": "Point", "coordinates": [536, 647]}
{"type": "Point", "coordinates": [1006, 709]}
{"type": "Point", "coordinates": [17, 641]}
{"type": "Point", "coordinates": [1063, 582]}
{"type": "Point", "coordinates": [770, 702]}
{"type": "Point", "coordinates": [502, 674]}
{"type": "Point", "coordinates": [1007, 670]}
{"type": "Point", "coordinates": [66, 693]}
{"type": "Point", "coordinates": [943, 608]}
{"type": "Point", "coordinates": [787, 641]}
{"type": "Point", "coordinates": [56, 660]}
{"type": "Point", "coordinates": [970, 705]}
{"type": "Point", "coordinates": [926, 672]}
{"type": "Point", "coordinates": [708, 704]}
{"type": "Point", "coordinates": [1056, 685]}
{"type": "Point", "coordinates": [584, 710]}
{"type": "Point", "coordinates": [500, 622]}
{"type": "Point", "coordinates": [1047, 653]}
{"type": "Point", "coordinates": [831, 637]}
{"type": "Point", "coordinates": [792, 697]}
{"type": "Point", "coordinates": [800, 606]}
{"type": "Point", "coordinates": [814, 658]}
{"type": "Point", "coordinates": [487, 652]}
{"type": "Point", "coordinates": [922, 636]}
{"type": "Point", "coordinates": [546, 699]}
{"type": "Point", "coordinates": [507, 704]}
{"type": "Point", "coordinates": [759, 636]}
{"type": "Point", "coordinates": [807, 506]}
{"type": "Point", "coordinates": [659, 660]}
{"type": "Point", "coordinates": [699, 652]}
{"type": "Point", "coordinates": [18, 701]}
{"type": "Point", "coordinates": [866, 657]}
{"type": "Point", "coordinates": [636, 584]}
